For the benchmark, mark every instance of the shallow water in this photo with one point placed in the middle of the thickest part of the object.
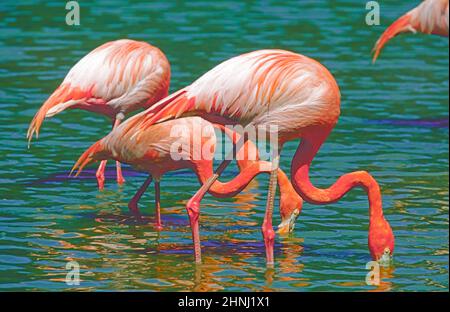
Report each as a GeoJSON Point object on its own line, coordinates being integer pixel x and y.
{"type": "Point", "coordinates": [394, 123]}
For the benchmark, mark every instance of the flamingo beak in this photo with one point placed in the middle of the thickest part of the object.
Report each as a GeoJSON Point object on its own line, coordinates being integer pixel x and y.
{"type": "Point", "coordinates": [386, 258]}
{"type": "Point", "coordinates": [288, 225]}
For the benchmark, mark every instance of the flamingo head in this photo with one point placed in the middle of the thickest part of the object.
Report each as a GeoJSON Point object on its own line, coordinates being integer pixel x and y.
{"type": "Point", "coordinates": [290, 208]}
{"type": "Point", "coordinates": [381, 242]}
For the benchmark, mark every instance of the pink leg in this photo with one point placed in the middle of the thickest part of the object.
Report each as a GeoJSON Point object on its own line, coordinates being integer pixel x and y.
{"type": "Point", "coordinates": [193, 205]}
{"type": "Point", "coordinates": [193, 208]}
{"type": "Point", "coordinates": [100, 174]}
{"type": "Point", "coordinates": [269, 238]}
{"type": "Point", "coordinates": [132, 205]}
{"type": "Point", "coordinates": [120, 178]}
{"type": "Point", "coordinates": [267, 227]}
{"type": "Point", "coordinates": [158, 224]}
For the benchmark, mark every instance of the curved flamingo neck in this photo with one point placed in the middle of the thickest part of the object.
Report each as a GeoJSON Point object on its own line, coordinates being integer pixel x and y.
{"type": "Point", "coordinates": [301, 163]}
{"type": "Point", "coordinates": [236, 185]}
{"type": "Point", "coordinates": [248, 153]}
{"type": "Point", "coordinates": [380, 239]}
{"type": "Point", "coordinates": [289, 199]}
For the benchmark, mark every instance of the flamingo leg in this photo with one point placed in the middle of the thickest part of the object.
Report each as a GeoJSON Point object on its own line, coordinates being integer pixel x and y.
{"type": "Point", "coordinates": [132, 205]}
{"type": "Point", "coordinates": [158, 224]}
{"type": "Point", "coordinates": [267, 228]}
{"type": "Point", "coordinates": [194, 214]}
{"type": "Point", "coordinates": [193, 205]}
{"type": "Point", "coordinates": [119, 176]}
{"type": "Point", "coordinates": [100, 175]}
{"type": "Point", "coordinates": [193, 208]}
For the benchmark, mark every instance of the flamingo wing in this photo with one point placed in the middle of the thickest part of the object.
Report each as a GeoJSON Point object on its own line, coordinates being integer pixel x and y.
{"type": "Point", "coordinates": [154, 146]}
{"type": "Point", "coordinates": [118, 76]}
{"type": "Point", "coordinates": [246, 89]}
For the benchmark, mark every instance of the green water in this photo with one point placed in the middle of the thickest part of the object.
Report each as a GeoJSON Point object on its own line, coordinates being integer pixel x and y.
{"type": "Point", "coordinates": [393, 124]}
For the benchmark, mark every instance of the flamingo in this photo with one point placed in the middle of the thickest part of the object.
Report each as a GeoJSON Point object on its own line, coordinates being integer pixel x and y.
{"type": "Point", "coordinates": [264, 89]}
{"type": "Point", "coordinates": [114, 79]}
{"type": "Point", "coordinates": [429, 17]}
{"type": "Point", "coordinates": [153, 154]}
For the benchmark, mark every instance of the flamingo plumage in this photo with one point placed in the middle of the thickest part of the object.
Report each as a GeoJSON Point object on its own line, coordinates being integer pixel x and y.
{"type": "Point", "coordinates": [281, 89]}
{"type": "Point", "coordinates": [114, 79]}
{"type": "Point", "coordinates": [153, 153]}
{"type": "Point", "coordinates": [429, 17]}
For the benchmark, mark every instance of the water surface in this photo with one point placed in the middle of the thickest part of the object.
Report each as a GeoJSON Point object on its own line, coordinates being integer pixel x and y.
{"type": "Point", "coordinates": [394, 123]}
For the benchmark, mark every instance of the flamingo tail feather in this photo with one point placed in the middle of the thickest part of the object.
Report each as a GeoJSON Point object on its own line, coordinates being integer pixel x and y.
{"type": "Point", "coordinates": [399, 26]}
{"type": "Point", "coordinates": [89, 156]}
{"type": "Point", "coordinates": [63, 98]}
{"type": "Point", "coordinates": [168, 108]}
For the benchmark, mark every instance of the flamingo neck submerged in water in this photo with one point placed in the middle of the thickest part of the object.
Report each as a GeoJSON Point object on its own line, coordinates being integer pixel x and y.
{"type": "Point", "coordinates": [292, 92]}
{"type": "Point", "coordinates": [380, 238]}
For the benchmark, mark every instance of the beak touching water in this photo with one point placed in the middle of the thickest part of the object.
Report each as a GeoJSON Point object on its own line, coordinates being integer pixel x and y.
{"type": "Point", "coordinates": [386, 258]}
{"type": "Point", "coordinates": [287, 225]}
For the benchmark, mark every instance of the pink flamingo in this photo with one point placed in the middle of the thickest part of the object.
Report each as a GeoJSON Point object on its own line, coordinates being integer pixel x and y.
{"type": "Point", "coordinates": [429, 17]}
{"type": "Point", "coordinates": [116, 78]}
{"type": "Point", "coordinates": [282, 89]}
{"type": "Point", "coordinates": [152, 153]}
